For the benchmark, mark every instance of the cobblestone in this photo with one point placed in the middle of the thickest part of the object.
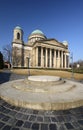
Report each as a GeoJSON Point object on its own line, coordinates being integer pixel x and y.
{"type": "Point", "coordinates": [16, 118]}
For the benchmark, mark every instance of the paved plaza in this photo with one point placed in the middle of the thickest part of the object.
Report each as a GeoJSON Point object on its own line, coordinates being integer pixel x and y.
{"type": "Point", "coordinates": [17, 118]}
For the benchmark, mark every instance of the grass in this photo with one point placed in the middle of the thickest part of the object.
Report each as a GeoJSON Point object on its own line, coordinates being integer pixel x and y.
{"type": "Point", "coordinates": [62, 74]}
{"type": "Point", "coordinates": [78, 70]}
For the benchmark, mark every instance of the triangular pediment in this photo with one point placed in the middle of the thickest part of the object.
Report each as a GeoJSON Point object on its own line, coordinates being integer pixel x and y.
{"type": "Point", "coordinates": [50, 42]}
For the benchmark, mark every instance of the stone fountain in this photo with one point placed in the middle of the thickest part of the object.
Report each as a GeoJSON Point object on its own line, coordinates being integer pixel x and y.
{"type": "Point", "coordinates": [43, 93]}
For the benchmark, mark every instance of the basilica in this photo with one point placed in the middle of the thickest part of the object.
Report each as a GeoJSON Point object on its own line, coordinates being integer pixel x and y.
{"type": "Point", "coordinates": [39, 51]}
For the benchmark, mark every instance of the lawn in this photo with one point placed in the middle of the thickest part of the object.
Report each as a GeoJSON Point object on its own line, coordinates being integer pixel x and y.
{"type": "Point", "coordinates": [62, 74]}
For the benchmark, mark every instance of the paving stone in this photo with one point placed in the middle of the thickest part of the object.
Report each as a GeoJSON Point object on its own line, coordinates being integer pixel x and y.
{"type": "Point", "coordinates": [15, 129]}
{"type": "Point", "coordinates": [47, 119]}
{"type": "Point", "coordinates": [7, 127]}
{"type": "Point", "coordinates": [66, 112]}
{"type": "Point", "coordinates": [10, 106]}
{"type": "Point", "coordinates": [12, 121]}
{"type": "Point", "coordinates": [19, 123]}
{"type": "Point", "coordinates": [80, 122]}
{"type": "Point", "coordinates": [17, 109]}
{"type": "Point", "coordinates": [6, 118]}
{"type": "Point", "coordinates": [27, 124]}
{"type": "Point", "coordinates": [58, 112]}
{"type": "Point", "coordinates": [75, 124]}
{"type": "Point", "coordinates": [4, 104]}
{"type": "Point", "coordinates": [41, 112]}
{"type": "Point", "coordinates": [32, 118]}
{"type": "Point", "coordinates": [21, 117]}
{"type": "Point", "coordinates": [2, 115]}
{"type": "Point", "coordinates": [81, 110]}
{"type": "Point", "coordinates": [44, 126]}
{"type": "Point", "coordinates": [1, 124]}
{"type": "Point", "coordinates": [60, 118]}
{"type": "Point", "coordinates": [18, 115]}
{"type": "Point", "coordinates": [69, 126]}
{"type": "Point", "coordinates": [29, 111]}
{"type": "Point", "coordinates": [73, 118]}
{"type": "Point", "coordinates": [23, 110]}
{"type": "Point", "coordinates": [2, 108]}
{"type": "Point", "coordinates": [35, 126]}
{"type": "Point", "coordinates": [78, 111]}
{"type": "Point", "coordinates": [52, 127]}
{"type": "Point", "coordinates": [79, 116]}
{"type": "Point", "coordinates": [53, 119]}
{"type": "Point", "coordinates": [12, 113]}
{"type": "Point", "coordinates": [24, 117]}
{"type": "Point", "coordinates": [7, 111]}
{"type": "Point", "coordinates": [67, 118]}
{"type": "Point", "coordinates": [35, 111]}
{"type": "Point", "coordinates": [61, 127]}
{"type": "Point", "coordinates": [40, 119]}
{"type": "Point", "coordinates": [49, 113]}
{"type": "Point", "coordinates": [81, 128]}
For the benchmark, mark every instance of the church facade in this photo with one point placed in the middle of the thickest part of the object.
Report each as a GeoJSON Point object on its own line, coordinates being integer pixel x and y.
{"type": "Point", "coordinates": [39, 51]}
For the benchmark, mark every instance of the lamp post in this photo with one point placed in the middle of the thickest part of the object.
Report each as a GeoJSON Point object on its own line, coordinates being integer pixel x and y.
{"type": "Point", "coordinates": [72, 67]}
{"type": "Point", "coordinates": [28, 65]}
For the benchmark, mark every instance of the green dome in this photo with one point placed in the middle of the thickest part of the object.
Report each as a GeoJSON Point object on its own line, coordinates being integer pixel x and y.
{"type": "Point", "coordinates": [37, 32]}
{"type": "Point", "coordinates": [17, 27]}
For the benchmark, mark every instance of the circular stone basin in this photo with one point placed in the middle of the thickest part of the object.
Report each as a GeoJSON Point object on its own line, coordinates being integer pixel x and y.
{"type": "Point", "coordinates": [44, 78]}
{"type": "Point", "coordinates": [43, 93]}
{"type": "Point", "coordinates": [55, 86]}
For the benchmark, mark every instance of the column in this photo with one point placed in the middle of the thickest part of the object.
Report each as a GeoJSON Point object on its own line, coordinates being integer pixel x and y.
{"type": "Point", "coordinates": [46, 58]}
{"type": "Point", "coordinates": [65, 60]}
{"type": "Point", "coordinates": [58, 60]}
{"type": "Point", "coordinates": [61, 59]}
{"type": "Point", "coordinates": [50, 58]}
{"type": "Point", "coordinates": [42, 60]}
{"type": "Point", "coordinates": [54, 58]}
{"type": "Point", "coordinates": [36, 56]}
{"type": "Point", "coordinates": [33, 57]}
{"type": "Point", "coordinates": [68, 61]}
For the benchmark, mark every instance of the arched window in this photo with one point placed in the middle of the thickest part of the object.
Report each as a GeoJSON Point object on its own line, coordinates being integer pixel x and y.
{"type": "Point", "coordinates": [18, 35]}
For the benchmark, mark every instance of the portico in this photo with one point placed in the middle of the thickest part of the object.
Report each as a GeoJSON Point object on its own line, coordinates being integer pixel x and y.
{"type": "Point", "coordinates": [52, 58]}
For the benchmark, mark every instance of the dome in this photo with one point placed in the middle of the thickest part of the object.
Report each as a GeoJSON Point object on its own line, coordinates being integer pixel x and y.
{"type": "Point", "coordinates": [18, 27]}
{"type": "Point", "coordinates": [36, 35]}
{"type": "Point", "coordinates": [37, 32]}
{"type": "Point", "coordinates": [65, 43]}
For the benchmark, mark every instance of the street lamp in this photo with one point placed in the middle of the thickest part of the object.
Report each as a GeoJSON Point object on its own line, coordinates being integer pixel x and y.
{"type": "Point", "coordinates": [28, 65]}
{"type": "Point", "coordinates": [72, 66]}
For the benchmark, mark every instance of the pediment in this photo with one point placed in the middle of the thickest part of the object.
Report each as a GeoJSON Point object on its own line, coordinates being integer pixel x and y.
{"type": "Point", "coordinates": [49, 42]}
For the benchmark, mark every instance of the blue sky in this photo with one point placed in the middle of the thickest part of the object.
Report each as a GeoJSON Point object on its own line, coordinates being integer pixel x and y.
{"type": "Point", "coordinates": [59, 19]}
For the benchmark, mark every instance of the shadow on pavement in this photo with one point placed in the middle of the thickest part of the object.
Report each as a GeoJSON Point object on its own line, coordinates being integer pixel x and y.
{"type": "Point", "coordinates": [4, 77]}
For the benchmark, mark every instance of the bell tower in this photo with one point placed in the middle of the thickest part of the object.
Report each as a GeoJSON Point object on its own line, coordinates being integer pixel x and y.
{"type": "Point", "coordinates": [17, 47]}
{"type": "Point", "coordinates": [18, 35]}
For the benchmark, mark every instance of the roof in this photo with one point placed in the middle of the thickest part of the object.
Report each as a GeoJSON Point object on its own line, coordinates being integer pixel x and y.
{"type": "Point", "coordinates": [52, 42]}
{"type": "Point", "coordinates": [37, 31]}
{"type": "Point", "coordinates": [18, 27]}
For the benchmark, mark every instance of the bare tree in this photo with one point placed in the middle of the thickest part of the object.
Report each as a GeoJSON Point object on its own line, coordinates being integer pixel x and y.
{"type": "Point", "coordinates": [7, 53]}
{"type": "Point", "coordinates": [16, 57]}
{"type": "Point", "coordinates": [80, 62]}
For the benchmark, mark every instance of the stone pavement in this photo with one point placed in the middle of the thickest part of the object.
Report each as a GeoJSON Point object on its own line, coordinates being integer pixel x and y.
{"type": "Point", "coordinates": [15, 118]}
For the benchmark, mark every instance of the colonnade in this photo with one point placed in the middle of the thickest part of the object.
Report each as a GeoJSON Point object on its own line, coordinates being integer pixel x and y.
{"type": "Point", "coordinates": [53, 58]}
